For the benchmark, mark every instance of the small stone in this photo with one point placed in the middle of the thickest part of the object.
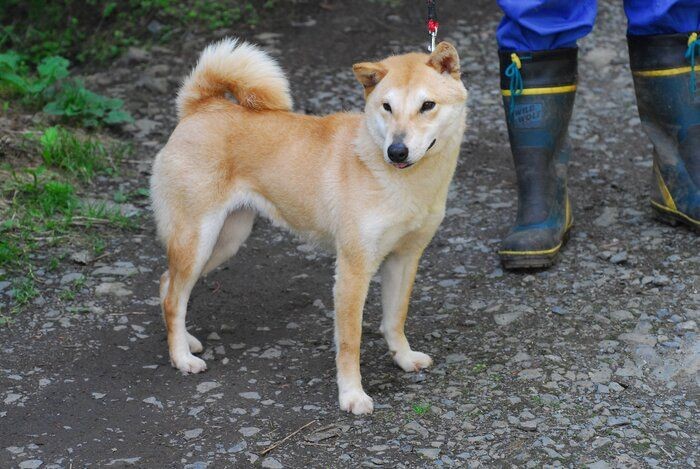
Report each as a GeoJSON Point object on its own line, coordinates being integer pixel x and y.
{"type": "Point", "coordinates": [637, 338]}
{"type": "Point", "coordinates": [213, 336]}
{"type": "Point", "coordinates": [615, 387]}
{"type": "Point", "coordinates": [618, 421]}
{"type": "Point", "coordinates": [271, 463]}
{"type": "Point", "coordinates": [503, 319]}
{"type": "Point", "coordinates": [72, 277]}
{"type": "Point", "coordinates": [619, 258]}
{"type": "Point", "coordinates": [430, 453]}
{"type": "Point", "coordinates": [528, 425]}
{"type": "Point", "coordinates": [249, 431]}
{"type": "Point", "coordinates": [600, 442]}
{"type": "Point", "coordinates": [250, 395]}
{"type": "Point", "coordinates": [112, 288]}
{"type": "Point", "coordinates": [207, 386]}
{"type": "Point", "coordinates": [145, 127]}
{"type": "Point", "coordinates": [455, 358]}
{"type": "Point", "coordinates": [559, 311]}
{"type": "Point", "coordinates": [31, 464]}
{"type": "Point", "coordinates": [661, 280]}
{"type": "Point", "coordinates": [530, 373]}
{"type": "Point", "coordinates": [135, 54]}
{"type": "Point", "coordinates": [607, 218]}
{"type": "Point", "coordinates": [98, 395]}
{"type": "Point", "coordinates": [119, 269]}
{"type": "Point", "coordinates": [191, 434]}
{"type": "Point", "coordinates": [153, 401]}
{"type": "Point", "coordinates": [621, 315]}
{"type": "Point", "coordinates": [378, 448]}
{"type": "Point", "coordinates": [271, 353]}
{"type": "Point", "coordinates": [600, 57]}
{"type": "Point", "coordinates": [82, 257]}
{"type": "Point", "coordinates": [238, 447]}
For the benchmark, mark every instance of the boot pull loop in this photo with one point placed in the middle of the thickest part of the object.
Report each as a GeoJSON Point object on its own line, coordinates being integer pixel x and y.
{"type": "Point", "coordinates": [516, 80]}
{"type": "Point", "coordinates": [693, 48]}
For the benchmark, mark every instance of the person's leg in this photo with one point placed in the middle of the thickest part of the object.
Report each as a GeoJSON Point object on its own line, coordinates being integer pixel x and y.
{"type": "Point", "coordinates": [664, 50]}
{"type": "Point", "coordinates": [538, 58]}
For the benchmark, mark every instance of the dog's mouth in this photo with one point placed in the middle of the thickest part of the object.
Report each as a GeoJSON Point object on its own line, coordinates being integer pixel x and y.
{"type": "Point", "coordinates": [402, 165]}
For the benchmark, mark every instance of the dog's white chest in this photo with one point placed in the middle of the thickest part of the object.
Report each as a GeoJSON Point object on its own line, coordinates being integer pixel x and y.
{"type": "Point", "coordinates": [382, 229]}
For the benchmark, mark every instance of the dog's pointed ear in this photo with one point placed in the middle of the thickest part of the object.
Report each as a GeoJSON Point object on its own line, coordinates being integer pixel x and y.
{"type": "Point", "coordinates": [445, 59]}
{"type": "Point", "coordinates": [369, 74]}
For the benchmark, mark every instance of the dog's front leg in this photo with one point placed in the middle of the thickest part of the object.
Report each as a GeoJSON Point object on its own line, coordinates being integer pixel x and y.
{"type": "Point", "coordinates": [350, 291]}
{"type": "Point", "coordinates": [398, 273]}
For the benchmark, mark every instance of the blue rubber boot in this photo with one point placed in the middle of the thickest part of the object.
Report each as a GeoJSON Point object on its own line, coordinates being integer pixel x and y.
{"type": "Point", "coordinates": [538, 91]}
{"type": "Point", "coordinates": [663, 67]}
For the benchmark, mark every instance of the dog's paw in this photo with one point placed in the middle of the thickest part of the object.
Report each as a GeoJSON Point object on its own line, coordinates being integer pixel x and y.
{"type": "Point", "coordinates": [412, 361]}
{"type": "Point", "coordinates": [188, 363]}
{"type": "Point", "coordinates": [194, 344]}
{"type": "Point", "coordinates": [356, 401]}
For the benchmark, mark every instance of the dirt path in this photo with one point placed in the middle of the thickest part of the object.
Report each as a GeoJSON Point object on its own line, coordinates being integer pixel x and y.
{"type": "Point", "coordinates": [595, 362]}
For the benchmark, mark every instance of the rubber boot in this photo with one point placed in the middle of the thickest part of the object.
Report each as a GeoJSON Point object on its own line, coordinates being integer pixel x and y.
{"type": "Point", "coordinates": [538, 91]}
{"type": "Point", "coordinates": [663, 67]}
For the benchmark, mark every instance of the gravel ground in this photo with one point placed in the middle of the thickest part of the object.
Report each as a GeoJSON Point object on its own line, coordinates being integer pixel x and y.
{"type": "Point", "coordinates": [594, 363]}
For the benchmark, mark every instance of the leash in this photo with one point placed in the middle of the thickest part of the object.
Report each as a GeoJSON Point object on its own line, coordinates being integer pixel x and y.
{"type": "Point", "coordinates": [693, 49]}
{"type": "Point", "coordinates": [432, 24]}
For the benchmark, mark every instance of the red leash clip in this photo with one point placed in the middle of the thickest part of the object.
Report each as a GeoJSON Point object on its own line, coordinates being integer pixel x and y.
{"type": "Point", "coordinates": [432, 24]}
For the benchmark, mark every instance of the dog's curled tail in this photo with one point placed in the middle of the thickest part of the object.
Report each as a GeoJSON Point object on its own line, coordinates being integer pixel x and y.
{"type": "Point", "coordinates": [246, 71]}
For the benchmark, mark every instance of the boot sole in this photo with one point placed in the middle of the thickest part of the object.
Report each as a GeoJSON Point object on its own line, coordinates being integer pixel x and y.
{"type": "Point", "coordinates": [534, 259]}
{"type": "Point", "coordinates": [673, 217]}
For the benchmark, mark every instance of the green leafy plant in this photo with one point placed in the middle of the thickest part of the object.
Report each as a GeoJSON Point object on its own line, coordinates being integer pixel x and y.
{"type": "Point", "coordinates": [67, 98]}
{"type": "Point", "coordinates": [13, 73]}
{"type": "Point", "coordinates": [74, 101]}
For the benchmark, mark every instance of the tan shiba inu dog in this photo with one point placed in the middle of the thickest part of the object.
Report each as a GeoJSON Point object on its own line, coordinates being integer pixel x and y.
{"type": "Point", "coordinates": [371, 186]}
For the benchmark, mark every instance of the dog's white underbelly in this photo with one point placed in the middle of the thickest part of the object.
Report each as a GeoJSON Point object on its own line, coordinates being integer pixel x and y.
{"type": "Point", "coordinates": [249, 199]}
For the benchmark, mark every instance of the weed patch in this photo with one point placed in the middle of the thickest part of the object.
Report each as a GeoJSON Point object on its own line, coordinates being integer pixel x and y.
{"type": "Point", "coordinates": [420, 409]}
{"type": "Point", "coordinates": [98, 30]}
{"type": "Point", "coordinates": [62, 97]}
{"type": "Point", "coordinates": [41, 208]}
{"type": "Point", "coordinates": [82, 158]}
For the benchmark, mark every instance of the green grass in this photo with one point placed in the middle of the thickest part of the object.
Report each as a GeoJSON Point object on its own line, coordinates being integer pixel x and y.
{"type": "Point", "coordinates": [479, 368]}
{"type": "Point", "coordinates": [420, 409]}
{"type": "Point", "coordinates": [41, 208]}
{"type": "Point", "coordinates": [80, 157]}
{"type": "Point", "coordinates": [68, 294]}
{"type": "Point", "coordinates": [24, 291]}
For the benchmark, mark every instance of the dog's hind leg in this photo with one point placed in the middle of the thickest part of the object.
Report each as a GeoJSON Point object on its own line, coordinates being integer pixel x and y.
{"type": "Point", "coordinates": [398, 273]}
{"type": "Point", "coordinates": [189, 248]}
{"type": "Point", "coordinates": [233, 234]}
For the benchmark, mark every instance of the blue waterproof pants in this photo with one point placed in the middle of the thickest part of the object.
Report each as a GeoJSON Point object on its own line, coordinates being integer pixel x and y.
{"type": "Point", "coordinates": [534, 25]}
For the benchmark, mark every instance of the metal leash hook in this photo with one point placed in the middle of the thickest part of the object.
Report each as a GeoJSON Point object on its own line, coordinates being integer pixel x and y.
{"type": "Point", "coordinates": [432, 24]}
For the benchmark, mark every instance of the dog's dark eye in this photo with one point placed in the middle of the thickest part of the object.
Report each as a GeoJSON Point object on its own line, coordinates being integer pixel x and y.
{"type": "Point", "coordinates": [386, 107]}
{"type": "Point", "coordinates": [427, 106]}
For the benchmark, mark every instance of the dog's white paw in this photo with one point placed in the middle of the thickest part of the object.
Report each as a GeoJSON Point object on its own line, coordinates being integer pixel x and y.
{"type": "Point", "coordinates": [188, 363]}
{"type": "Point", "coordinates": [412, 361]}
{"type": "Point", "coordinates": [194, 344]}
{"type": "Point", "coordinates": [356, 401]}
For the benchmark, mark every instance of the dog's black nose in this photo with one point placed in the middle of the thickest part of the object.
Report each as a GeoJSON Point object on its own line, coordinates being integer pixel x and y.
{"type": "Point", "coordinates": [398, 152]}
